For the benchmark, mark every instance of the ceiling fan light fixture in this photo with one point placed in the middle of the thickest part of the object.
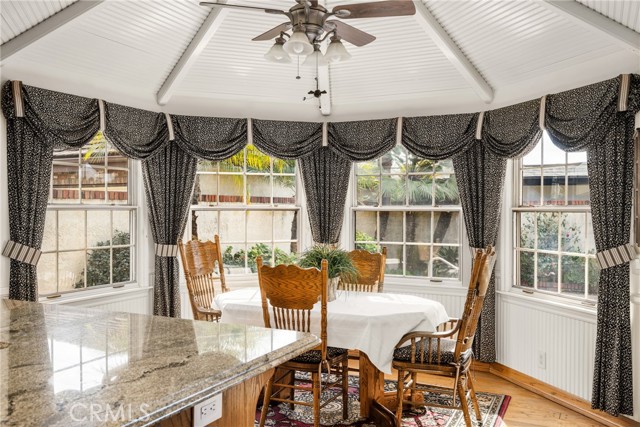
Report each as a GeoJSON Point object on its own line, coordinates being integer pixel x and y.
{"type": "Point", "coordinates": [315, 58]}
{"type": "Point", "coordinates": [336, 52]}
{"type": "Point", "coordinates": [298, 43]}
{"type": "Point", "coordinates": [277, 52]}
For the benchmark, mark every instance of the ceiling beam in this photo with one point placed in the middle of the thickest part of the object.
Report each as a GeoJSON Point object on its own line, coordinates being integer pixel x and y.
{"type": "Point", "coordinates": [593, 20]}
{"type": "Point", "coordinates": [207, 30]}
{"type": "Point", "coordinates": [453, 52]}
{"type": "Point", "coordinates": [49, 25]}
{"type": "Point", "coordinates": [324, 83]}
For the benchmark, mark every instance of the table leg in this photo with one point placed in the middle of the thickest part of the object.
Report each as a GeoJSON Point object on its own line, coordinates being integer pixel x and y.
{"type": "Point", "coordinates": [371, 384]}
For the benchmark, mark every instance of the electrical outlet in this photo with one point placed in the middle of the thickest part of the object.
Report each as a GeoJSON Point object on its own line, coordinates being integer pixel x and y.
{"type": "Point", "coordinates": [542, 359]}
{"type": "Point", "coordinates": [206, 412]}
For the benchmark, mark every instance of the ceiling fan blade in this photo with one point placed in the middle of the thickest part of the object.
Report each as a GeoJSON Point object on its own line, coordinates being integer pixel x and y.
{"type": "Point", "coordinates": [351, 34]}
{"type": "Point", "coordinates": [273, 33]}
{"type": "Point", "coordinates": [272, 11]}
{"type": "Point", "coordinates": [377, 9]}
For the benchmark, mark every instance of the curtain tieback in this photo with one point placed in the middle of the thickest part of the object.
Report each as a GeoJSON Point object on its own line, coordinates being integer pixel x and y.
{"type": "Point", "coordinates": [22, 253]}
{"type": "Point", "coordinates": [166, 250]}
{"type": "Point", "coordinates": [474, 250]}
{"type": "Point", "coordinates": [616, 256]}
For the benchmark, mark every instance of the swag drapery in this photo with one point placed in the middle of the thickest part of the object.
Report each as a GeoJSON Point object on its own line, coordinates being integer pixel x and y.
{"type": "Point", "coordinates": [588, 118]}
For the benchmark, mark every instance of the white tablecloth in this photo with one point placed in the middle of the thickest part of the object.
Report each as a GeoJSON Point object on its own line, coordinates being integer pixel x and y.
{"type": "Point", "coordinates": [370, 322]}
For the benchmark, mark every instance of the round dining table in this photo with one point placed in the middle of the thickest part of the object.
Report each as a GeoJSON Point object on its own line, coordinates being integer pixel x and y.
{"type": "Point", "coordinates": [372, 323]}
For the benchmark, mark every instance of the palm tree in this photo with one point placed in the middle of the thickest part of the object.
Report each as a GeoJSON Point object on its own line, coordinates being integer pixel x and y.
{"type": "Point", "coordinates": [420, 190]}
{"type": "Point", "coordinates": [256, 161]}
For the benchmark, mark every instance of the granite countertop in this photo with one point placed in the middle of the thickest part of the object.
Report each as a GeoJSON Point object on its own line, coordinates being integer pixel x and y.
{"type": "Point", "coordinates": [65, 366]}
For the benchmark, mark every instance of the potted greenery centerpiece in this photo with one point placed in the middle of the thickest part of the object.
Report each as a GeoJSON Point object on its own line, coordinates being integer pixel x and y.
{"type": "Point", "coordinates": [339, 265]}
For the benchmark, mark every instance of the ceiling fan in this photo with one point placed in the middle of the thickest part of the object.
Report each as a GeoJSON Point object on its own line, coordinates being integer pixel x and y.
{"type": "Point", "coordinates": [310, 25]}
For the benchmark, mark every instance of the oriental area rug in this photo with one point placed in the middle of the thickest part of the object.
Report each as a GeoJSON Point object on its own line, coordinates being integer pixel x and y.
{"type": "Point", "coordinates": [492, 406]}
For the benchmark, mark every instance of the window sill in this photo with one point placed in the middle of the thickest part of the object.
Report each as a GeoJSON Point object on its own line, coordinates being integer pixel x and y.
{"type": "Point", "coordinates": [551, 304]}
{"type": "Point", "coordinates": [421, 285]}
{"type": "Point", "coordinates": [94, 294]}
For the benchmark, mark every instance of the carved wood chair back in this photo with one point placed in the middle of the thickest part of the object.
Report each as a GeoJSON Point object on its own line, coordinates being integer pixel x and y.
{"type": "Point", "coordinates": [203, 272]}
{"type": "Point", "coordinates": [370, 268]}
{"type": "Point", "coordinates": [292, 292]}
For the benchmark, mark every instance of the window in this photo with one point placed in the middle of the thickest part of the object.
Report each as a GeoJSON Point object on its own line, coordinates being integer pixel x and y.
{"type": "Point", "coordinates": [249, 200]}
{"type": "Point", "coordinates": [89, 229]}
{"type": "Point", "coordinates": [554, 246]}
{"type": "Point", "coordinates": [411, 206]}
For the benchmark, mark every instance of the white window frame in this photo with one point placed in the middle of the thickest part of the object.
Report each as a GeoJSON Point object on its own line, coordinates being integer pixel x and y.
{"type": "Point", "coordinates": [136, 229]}
{"type": "Point", "coordinates": [515, 213]}
{"type": "Point", "coordinates": [246, 208]}
{"type": "Point", "coordinates": [398, 283]}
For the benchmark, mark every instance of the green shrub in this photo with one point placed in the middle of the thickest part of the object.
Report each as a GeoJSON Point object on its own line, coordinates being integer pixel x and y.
{"type": "Point", "coordinates": [339, 261]}
{"type": "Point", "coordinates": [99, 262]}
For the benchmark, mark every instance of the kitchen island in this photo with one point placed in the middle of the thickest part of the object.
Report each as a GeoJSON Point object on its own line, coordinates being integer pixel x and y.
{"type": "Point", "coordinates": [64, 366]}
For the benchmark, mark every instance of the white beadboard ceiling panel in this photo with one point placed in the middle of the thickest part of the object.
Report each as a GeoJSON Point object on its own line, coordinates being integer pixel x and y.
{"type": "Point", "coordinates": [232, 64]}
{"type": "Point", "coordinates": [401, 62]}
{"type": "Point", "coordinates": [133, 43]}
{"type": "Point", "coordinates": [131, 46]}
{"type": "Point", "coordinates": [510, 41]}
{"type": "Point", "coordinates": [625, 12]}
{"type": "Point", "coordinates": [19, 16]}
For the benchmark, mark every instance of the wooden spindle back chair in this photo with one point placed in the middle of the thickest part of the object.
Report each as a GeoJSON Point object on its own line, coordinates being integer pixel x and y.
{"type": "Point", "coordinates": [446, 352]}
{"type": "Point", "coordinates": [289, 294]}
{"type": "Point", "coordinates": [203, 271]}
{"type": "Point", "coordinates": [370, 268]}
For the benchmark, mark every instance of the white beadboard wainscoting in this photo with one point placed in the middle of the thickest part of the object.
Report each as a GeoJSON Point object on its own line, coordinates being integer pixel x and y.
{"type": "Point", "coordinates": [551, 343]}
{"type": "Point", "coordinates": [133, 300]}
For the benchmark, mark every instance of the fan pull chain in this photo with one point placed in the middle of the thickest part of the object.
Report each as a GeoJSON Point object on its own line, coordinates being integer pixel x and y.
{"type": "Point", "coordinates": [298, 76]}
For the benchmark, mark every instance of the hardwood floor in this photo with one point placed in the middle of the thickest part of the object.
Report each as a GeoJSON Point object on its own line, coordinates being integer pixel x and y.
{"type": "Point", "coordinates": [526, 409]}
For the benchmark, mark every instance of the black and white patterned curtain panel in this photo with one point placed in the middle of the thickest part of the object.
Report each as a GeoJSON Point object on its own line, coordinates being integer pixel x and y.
{"type": "Point", "coordinates": [324, 174]}
{"type": "Point", "coordinates": [598, 118]}
{"type": "Point", "coordinates": [168, 181]}
{"type": "Point", "coordinates": [37, 122]}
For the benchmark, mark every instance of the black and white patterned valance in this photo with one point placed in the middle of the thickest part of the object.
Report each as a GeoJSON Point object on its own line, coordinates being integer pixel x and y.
{"type": "Point", "coordinates": [286, 140]}
{"type": "Point", "coordinates": [362, 140]}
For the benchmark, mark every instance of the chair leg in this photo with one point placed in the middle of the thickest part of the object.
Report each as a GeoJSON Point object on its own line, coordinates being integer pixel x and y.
{"type": "Point", "coordinates": [463, 403]}
{"type": "Point", "coordinates": [400, 395]}
{"type": "Point", "coordinates": [345, 388]}
{"type": "Point", "coordinates": [315, 378]}
{"type": "Point", "coordinates": [266, 400]}
{"type": "Point", "coordinates": [474, 399]}
{"type": "Point", "coordinates": [414, 381]}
